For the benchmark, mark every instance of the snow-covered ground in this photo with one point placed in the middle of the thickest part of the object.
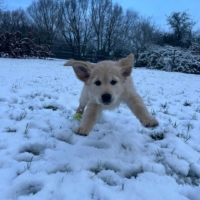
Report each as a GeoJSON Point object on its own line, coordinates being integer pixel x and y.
{"type": "Point", "coordinates": [41, 157]}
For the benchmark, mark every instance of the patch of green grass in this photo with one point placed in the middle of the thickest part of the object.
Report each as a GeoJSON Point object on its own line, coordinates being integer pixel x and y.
{"type": "Point", "coordinates": [198, 109]}
{"type": "Point", "coordinates": [134, 172]}
{"type": "Point", "coordinates": [194, 116]}
{"type": "Point", "coordinates": [15, 86]}
{"type": "Point", "coordinates": [157, 136]}
{"type": "Point", "coordinates": [10, 130]}
{"type": "Point", "coordinates": [103, 166]}
{"type": "Point", "coordinates": [31, 108]}
{"type": "Point", "coordinates": [187, 103]}
{"type": "Point", "coordinates": [26, 130]}
{"type": "Point", "coordinates": [173, 151]}
{"type": "Point", "coordinates": [64, 138]}
{"type": "Point", "coordinates": [98, 168]}
{"type": "Point", "coordinates": [22, 115]}
{"type": "Point", "coordinates": [109, 181]}
{"type": "Point", "coordinates": [160, 157]}
{"type": "Point", "coordinates": [64, 169]}
{"type": "Point", "coordinates": [54, 108]}
{"type": "Point", "coordinates": [158, 153]}
{"type": "Point", "coordinates": [166, 111]}
{"type": "Point", "coordinates": [189, 127]}
{"type": "Point", "coordinates": [35, 149]}
{"type": "Point", "coordinates": [163, 105]}
{"type": "Point", "coordinates": [186, 136]}
{"type": "Point", "coordinates": [153, 113]}
{"type": "Point", "coordinates": [29, 189]}
{"type": "Point", "coordinates": [175, 125]}
{"type": "Point", "coordinates": [28, 166]}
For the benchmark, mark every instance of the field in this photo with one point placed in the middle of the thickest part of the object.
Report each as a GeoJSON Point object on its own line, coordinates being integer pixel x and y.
{"type": "Point", "coordinates": [42, 158]}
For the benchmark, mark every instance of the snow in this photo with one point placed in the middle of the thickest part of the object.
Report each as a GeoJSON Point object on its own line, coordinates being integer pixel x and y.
{"type": "Point", "coordinates": [42, 158]}
{"type": "Point", "coordinates": [170, 58]}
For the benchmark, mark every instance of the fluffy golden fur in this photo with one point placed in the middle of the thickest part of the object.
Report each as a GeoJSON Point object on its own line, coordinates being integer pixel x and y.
{"type": "Point", "coordinates": [106, 85]}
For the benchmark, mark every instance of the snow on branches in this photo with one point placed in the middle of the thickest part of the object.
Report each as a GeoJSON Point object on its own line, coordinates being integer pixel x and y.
{"type": "Point", "coordinates": [168, 58]}
{"type": "Point", "coordinates": [13, 45]}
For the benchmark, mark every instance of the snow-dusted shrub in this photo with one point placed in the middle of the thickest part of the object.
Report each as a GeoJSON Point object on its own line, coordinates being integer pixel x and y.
{"type": "Point", "coordinates": [13, 45]}
{"type": "Point", "coordinates": [170, 58]}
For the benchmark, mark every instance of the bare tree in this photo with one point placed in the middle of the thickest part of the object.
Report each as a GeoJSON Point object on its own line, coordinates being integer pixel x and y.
{"type": "Point", "coordinates": [76, 25]}
{"type": "Point", "coordinates": [196, 36]}
{"type": "Point", "coordinates": [141, 34]}
{"type": "Point", "coordinates": [12, 21]}
{"type": "Point", "coordinates": [126, 32]}
{"type": "Point", "coordinates": [113, 29]}
{"type": "Point", "coordinates": [46, 15]}
{"type": "Point", "coordinates": [5, 21]}
{"type": "Point", "coordinates": [182, 25]}
{"type": "Point", "coordinates": [101, 27]}
{"type": "Point", "coordinates": [99, 14]}
{"type": "Point", "coordinates": [2, 7]}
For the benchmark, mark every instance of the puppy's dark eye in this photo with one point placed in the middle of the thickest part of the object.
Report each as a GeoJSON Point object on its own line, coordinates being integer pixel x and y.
{"type": "Point", "coordinates": [97, 83]}
{"type": "Point", "coordinates": [113, 82]}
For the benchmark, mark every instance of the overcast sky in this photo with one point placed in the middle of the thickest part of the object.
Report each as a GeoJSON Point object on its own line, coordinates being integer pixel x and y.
{"type": "Point", "coordinates": [157, 9]}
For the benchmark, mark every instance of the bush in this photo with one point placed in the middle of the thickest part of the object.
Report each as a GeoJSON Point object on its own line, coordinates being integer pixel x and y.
{"type": "Point", "coordinates": [12, 45]}
{"type": "Point", "coordinates": [170, 58]}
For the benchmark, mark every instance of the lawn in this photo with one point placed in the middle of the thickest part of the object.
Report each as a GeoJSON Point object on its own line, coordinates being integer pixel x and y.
{"type": "Point", "coordinates": [42, 158]}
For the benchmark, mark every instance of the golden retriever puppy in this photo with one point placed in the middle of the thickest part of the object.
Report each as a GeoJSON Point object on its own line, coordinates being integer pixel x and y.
{"type": "Point", "coordinates": [106, 85]}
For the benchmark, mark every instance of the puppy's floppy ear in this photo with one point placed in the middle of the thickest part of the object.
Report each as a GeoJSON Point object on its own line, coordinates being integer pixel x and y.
{"type": "Point", "coordinates": [126, 64]}
{"type": "Point", "coordinates": [69, 62]}
{"type": "Point", "coordinates": [81, 69]}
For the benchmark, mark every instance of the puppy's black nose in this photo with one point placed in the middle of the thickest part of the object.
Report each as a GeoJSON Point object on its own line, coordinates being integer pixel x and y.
{"type": "Point", "coordinates": [106, 98]}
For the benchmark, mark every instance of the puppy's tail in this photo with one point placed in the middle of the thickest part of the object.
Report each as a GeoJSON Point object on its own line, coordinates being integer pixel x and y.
{"type": "Point", "coordinates": [69, 62]}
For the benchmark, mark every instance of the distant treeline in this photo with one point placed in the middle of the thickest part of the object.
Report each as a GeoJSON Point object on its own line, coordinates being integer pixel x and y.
{"type": "Point", "coordinates": [95, 29]}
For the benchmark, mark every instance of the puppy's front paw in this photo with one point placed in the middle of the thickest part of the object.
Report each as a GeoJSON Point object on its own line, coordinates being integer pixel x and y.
{"type": "Point", "coordinates": [150, 122]}
{"type": "Point", "coordinates": [82, 131]}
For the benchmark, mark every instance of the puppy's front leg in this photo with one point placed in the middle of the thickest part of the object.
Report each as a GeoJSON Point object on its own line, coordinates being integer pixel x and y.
{"type": "Point", "coordinates": [137, 106]}
{"type": "Point", "coordinates": [83, 100]}
{"type": "Point", "coordinates": [89, 118]}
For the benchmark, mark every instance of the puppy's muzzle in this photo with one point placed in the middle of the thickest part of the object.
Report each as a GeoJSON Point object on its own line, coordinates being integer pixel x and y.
{"type": "Point", "coordinates": [106, 98]}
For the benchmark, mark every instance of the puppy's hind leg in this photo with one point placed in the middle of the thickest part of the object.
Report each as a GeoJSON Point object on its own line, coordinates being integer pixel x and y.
{"type": "Point", "coordinates": [138, 108]}
{"type": "Point", "coordinates": [83, 100]}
